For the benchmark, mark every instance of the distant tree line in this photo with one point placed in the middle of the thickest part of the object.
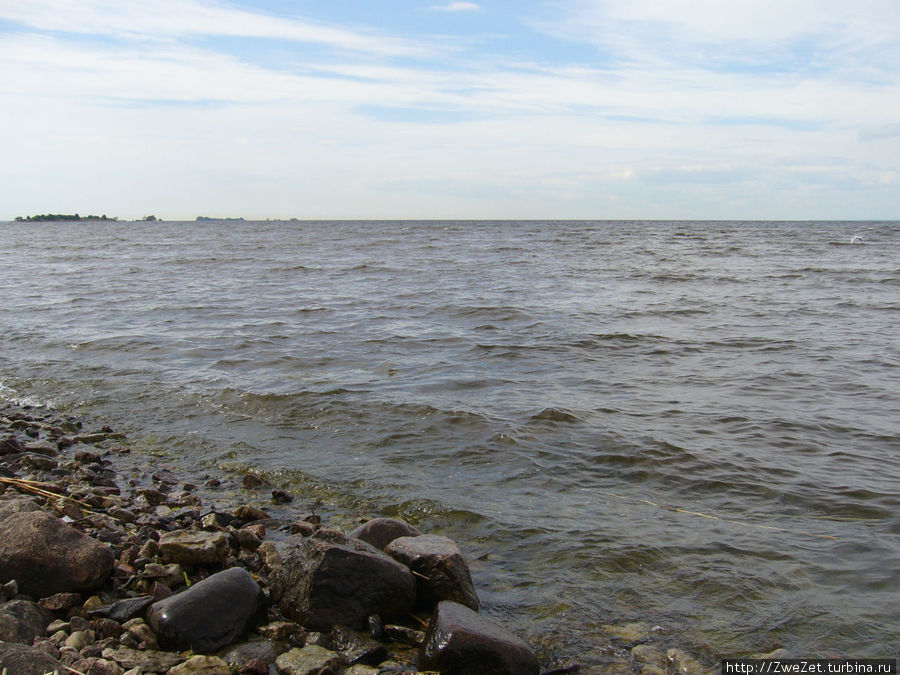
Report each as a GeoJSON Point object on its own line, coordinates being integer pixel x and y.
{"type": "Point", "coordinates": [45, 217]}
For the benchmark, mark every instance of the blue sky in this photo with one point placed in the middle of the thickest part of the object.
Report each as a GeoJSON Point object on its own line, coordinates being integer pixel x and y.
{"type": "Point", "coordinates": [683, 109]}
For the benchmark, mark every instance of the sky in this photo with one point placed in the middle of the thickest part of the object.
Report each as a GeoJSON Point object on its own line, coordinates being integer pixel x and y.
{"type": "Point", "coordinates": [428, 109]}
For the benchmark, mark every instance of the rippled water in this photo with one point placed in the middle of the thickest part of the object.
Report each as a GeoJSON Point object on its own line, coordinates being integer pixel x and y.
{"type": "Point", "coordinates": [693, 424]}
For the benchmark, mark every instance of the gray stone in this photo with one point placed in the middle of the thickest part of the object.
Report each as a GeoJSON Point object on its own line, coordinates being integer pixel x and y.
{"type": "Point", "coordinates": [357, 647]}
{"type": "Point", "coordinates": [147, 660]}
{"type": "Point", "coordinates": [21, 621]}
{"type": "Point", "coordinates": [323, 584]}
{"type": "Point", "coordinates": [309, 660]}
{"type": "Point", "coordinates": [201, 665]}
{"type": "Point", "coordinates": [440, 568]}
{"type": "Point", "coordinates": [462, 642]}
{"type": "Point", "coordinates": [382, 531]}
{"type": "Point", "coordinates": [27, 660]}
{"type": "Point", "coordinates": [211, 614]}
{"type": "Point", "coordinates": [194, 547]}
{"type": "Point", "coordinates": [42, 448]}
{"type": "Point", "coordinates": [46, 556]}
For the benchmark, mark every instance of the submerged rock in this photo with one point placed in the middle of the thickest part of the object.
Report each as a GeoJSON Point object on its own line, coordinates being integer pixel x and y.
{"type": "Point", "coordinates": [46, 556]}
{"type": "Point", "coordinates": [441, 570]}
{"type": "Point", "coordinates": [462, 642]}
{"type": "Point", "coordinates": [328, 583]}
{"type": "Point", "coordinates": [211, 614]}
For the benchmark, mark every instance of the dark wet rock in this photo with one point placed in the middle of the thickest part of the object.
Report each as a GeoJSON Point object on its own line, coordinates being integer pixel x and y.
{"type": "Point", "coordinates": [46, 556]}
{"type": "Point", "coordinates": [21, 621]}
{"type": "Point", "coordinates": [460, 641]}
{"type": "Point", "coordinates": [194, 547]}
{"type": "Point", "coordinates": [357, 647]}
{"type": "Point", "coordinates": [309, 660]}
{"type": "Point", "coordinates": [27, 660]}
{"type": "Point", "coordinates": [282, 497]}
{"type": "Point", "coordinates": [247, 539]}
{"type": "Point", "coordinates": [251, 480]}
{"type": "Point", "coordinates": [211, 614]}
{"type": "Point", "coordinates": [171, 574]}
{"type": "Point", "coordinates": [440, 568]}
{"type": "Point", "coordinates": [409, 636]}
{"type": "Point", "coordinates": [125, 609]}
{"type": "Point", "coordinates": [323, 584]}
{"type": "Point", "coordinates": [255, 653]}
{"type": "Point", "coordinates": [146, 660]}
{"type": "Point", "coordinates": [379, 532]}
{"type": "Point", "coordinates": [284, 631]}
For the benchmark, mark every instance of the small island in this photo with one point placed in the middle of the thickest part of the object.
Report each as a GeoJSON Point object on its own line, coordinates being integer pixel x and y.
{"type": "Point", "coordinates": [50, 217]}
{"type": "Point", "coordinates": [74, 217]}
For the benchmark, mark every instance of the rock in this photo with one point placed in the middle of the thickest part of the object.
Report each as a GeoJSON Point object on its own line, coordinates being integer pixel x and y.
{"type": "Point", "coordinates": [21, 621]}
{"type": "Point", "coordinates": [201, 665]}
{"type": "Point", "coordinates": [147, 660]}
{"type": "Point", "coordinates": [211, 614]}
{"type": "Point", "coordinates": [142, 633]}
{"type": "Point", "coordinates": [194, 547]}
{"type": "Point", "coordinates": [308, 661]}
{"type": "Point", "coordinates": [379, 532]}
{"type": "Point", "coordinates": [124, 610]}
{"type": "Point", "coordinates": [323, 584]}
{"type": "Point", "coordinates": [103, 667]}
{"type": "Point", "coordinates": [409, 636]}
{"type": "Point", "coordinates": [282, 497]}
{"type": "Point", "coordinates": [248, 513]}
{"type": "Point", "coordinates": [27, 660]}
{"type": "Point", "coordinates": [10, 444]}
{"type": "Point", "coordinates": [46, 556]}
{"type": "Point", "coordinates": [255, 652]}
{"type": "Point", "coordinates": [682, 663]}
{"type": "Point", "coordinates": [80, 639]}
{"type": "Point", "coordinates": [42, 448]}
{"type": "Point", "coordinates": [357, 647]}
{"type": "Point", "coordinates": [650, 656]}
{"type": "Point", "coordinates": [361, 670]}
{"type": "Point", "coordinates": [461, 642]}
{"type": "Point", "coordinates": [60, 602]}
{"type": "Point", "coordinates": [441, 571]}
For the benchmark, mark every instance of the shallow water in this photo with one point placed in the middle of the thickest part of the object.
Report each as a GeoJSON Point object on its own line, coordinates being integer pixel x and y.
{"type": "Point", "coordinates": [693, 424]}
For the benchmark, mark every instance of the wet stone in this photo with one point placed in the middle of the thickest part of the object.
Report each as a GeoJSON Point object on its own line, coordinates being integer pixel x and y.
{"type": "Point", "coordinates": [124, 610]}
{"type": "Point", "coordinates": [379, 532]}
{"type": "Point", "coordinates": [441, 570]}
{"type": "Point", "coordinates": [147, 660]}
{"type": "Point", "coordinates": [211, 614]}
{"type": "Point", "coordinates": [460, 641]}
{"type": "Point", "coordinates": [323, 584]}
{"type": "Point", "coordinates": [201, 665]}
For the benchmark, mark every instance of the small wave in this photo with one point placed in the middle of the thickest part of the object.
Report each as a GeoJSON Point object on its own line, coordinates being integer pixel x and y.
{"type": "Point", "coordinates": [556, 415]}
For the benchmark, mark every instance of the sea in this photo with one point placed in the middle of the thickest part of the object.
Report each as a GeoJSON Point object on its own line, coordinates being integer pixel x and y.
{"type": "Point", "coordinates": [692, 426]}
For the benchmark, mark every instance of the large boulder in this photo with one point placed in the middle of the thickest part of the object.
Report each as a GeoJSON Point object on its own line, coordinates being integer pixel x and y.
{"type": "Point", "coordinates": [440, 568]}
{"type": "Point", "coordinates": [462, 642]}
{"type": "Point", "coordinates": [211, 614]}
{"type": "Point", "coordinates": [27, 660]}
{"type": "Point", "coordinates": [382, 531]}
{"type": "Point", "coordinates": [328, 583]}
{"type": "Point", "coordinates": [46, 556]}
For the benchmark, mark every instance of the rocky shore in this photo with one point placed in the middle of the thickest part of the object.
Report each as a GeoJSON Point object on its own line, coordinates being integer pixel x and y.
{"type": "Point", "coordinates": [105, 573]}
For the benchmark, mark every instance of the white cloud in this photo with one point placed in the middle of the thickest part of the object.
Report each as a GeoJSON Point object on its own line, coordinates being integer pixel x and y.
{"type": "Point", "coordinates": [169, 19]}
{"type": "Point", "coordinates": [457, 7]}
